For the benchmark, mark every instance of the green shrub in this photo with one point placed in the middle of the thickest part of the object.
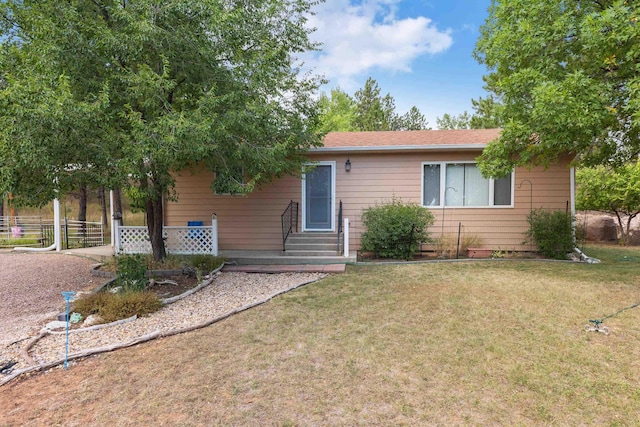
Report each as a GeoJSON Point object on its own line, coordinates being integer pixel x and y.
{"type": "Point", "coordinates": [130, 270]}
{"type": "Point", "coordinates": [552, 232]}
{"type": "Point", "coordinates": [111, 307]}
{"type": "Point", "coordinates": [395, 229]}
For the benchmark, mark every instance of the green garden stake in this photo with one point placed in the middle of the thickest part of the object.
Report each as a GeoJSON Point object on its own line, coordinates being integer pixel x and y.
{"type": "Point", "coordinates": [67, 297]}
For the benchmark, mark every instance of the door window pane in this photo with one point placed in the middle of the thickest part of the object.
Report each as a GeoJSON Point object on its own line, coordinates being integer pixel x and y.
{"type": "Point", "coordinates": [318, 198]}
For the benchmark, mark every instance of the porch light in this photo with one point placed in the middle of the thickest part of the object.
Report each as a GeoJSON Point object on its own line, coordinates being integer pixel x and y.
{"type": "Point", "coordinates": [347, 165]}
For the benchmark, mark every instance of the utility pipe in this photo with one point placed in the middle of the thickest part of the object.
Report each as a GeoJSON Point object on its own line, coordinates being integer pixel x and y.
{"type": "Point", "coordinates": [56, 233]}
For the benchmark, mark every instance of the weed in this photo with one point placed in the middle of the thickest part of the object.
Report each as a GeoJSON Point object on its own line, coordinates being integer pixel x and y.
{"type": "Point", "coordinates": [446, 246]}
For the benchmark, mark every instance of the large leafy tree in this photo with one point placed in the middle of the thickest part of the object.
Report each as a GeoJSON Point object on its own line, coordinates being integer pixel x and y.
{"type": "Point", "coordinates": [567, 74]}
{"type": "Point", "coordinates": [337, 112]}
{"type": "Point", "coordinates": [614, 190]}
{"type": "Point", "coordinates": [125, 92]}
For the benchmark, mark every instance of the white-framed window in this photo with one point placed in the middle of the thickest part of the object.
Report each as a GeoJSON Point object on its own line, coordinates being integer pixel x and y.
{"type": "Point", "coordinates": [460, 184]}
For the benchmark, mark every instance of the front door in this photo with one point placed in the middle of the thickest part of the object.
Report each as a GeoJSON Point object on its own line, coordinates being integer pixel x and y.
{"type": "Point", "coordinates": [318, 189]}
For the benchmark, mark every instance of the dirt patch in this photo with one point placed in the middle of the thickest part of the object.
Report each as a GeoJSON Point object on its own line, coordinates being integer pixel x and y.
{"type": "Point", "coordinates": [171, 286]}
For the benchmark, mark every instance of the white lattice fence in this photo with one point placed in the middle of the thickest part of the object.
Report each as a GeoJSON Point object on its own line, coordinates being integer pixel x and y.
{"type": "Point", "coordinates": [178, 240]}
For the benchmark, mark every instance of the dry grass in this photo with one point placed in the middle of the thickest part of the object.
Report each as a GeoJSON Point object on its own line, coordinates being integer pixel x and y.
{"type": "Point", "coordinates": [69, 207]}
{"type": "Point", "coordinates": [485, 343]}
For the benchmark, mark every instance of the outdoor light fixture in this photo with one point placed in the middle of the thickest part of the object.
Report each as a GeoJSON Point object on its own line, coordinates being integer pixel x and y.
{"type": "Point", "coordinates": [347, 165]}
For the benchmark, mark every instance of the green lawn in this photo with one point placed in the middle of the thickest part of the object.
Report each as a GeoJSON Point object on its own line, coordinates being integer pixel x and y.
{"type": "Point", "coordinates": [469, 343]}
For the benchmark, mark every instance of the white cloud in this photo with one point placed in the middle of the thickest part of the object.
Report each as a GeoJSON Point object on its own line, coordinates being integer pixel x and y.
{"type": "Point", "coordinates": [359, 37]}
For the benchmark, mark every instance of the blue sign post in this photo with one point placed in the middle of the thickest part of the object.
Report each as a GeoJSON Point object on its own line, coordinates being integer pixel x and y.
{"type": "Point", "coordinates": [68, 296]}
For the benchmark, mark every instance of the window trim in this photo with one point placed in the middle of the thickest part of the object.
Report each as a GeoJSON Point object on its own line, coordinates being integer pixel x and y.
{"type": "Point", "coordinates": [443, 183]}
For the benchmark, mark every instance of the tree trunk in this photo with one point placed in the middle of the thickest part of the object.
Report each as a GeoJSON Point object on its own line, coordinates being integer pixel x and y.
{"type": "Point", "coordinates": [155, 216]}
{"type": "Point", "coordinates": [117, 203]}
{"type": "Point", "coordinates": [82, 208]}
{"type": "Point", "coordinates": [103, 205]}
{"type": "Point", "coordinates": [1, 206]}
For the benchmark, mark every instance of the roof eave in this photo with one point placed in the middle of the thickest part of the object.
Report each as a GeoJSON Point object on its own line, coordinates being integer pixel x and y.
{"type": "Point", "coordinates": [399, 148]}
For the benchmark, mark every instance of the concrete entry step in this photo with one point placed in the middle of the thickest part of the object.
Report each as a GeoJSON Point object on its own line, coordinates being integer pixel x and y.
{"type": "Point", "coordinates": [280, 258]}
{"type": "Point", "coordinates": [313, 244]}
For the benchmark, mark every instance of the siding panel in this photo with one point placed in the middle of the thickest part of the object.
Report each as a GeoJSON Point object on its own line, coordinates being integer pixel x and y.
{"type": "Point", "coordinates": [253, 221]}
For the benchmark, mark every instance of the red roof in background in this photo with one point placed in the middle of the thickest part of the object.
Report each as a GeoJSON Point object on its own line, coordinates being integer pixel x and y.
{"type": "Point", "coordinates": [411, 138]}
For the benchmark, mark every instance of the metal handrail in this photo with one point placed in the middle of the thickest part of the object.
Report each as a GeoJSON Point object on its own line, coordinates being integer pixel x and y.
{"type": "Point", "coordinates": [339, 226]}
{"type": "Point", "coordinates": [289, 219]}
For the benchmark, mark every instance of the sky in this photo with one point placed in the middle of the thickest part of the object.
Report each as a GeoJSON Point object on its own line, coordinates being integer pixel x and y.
{"type": "Point", "coordinates": [419, 51]}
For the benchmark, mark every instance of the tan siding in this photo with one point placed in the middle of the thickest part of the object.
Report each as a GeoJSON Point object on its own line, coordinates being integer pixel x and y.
{"type": "Point", "coordinates": [253, 221]}
{"type": "Point", "coordinates": [244, 222]}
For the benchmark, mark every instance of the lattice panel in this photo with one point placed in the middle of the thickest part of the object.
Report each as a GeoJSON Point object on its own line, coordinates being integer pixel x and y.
{"type": "Point", "coordinates": [134, 240]}
{"type": "Point", "coordinates": [189, 240]}
{"type": "Point", "coordinates": [178, 240]}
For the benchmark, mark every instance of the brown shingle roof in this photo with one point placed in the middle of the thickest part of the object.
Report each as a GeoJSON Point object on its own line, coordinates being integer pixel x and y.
{"type": "Point", "coordinates": [416, 139]}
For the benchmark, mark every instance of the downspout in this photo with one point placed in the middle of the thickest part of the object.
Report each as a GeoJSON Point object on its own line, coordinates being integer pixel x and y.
{"type": "Point", "coordinates": [56, 232]}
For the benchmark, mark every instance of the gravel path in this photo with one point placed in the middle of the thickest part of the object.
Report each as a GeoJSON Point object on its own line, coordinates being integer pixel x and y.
{"type": "Point", "coordinates": [31, 286]}
{"type": "Point", "coordinates": [227, 292]}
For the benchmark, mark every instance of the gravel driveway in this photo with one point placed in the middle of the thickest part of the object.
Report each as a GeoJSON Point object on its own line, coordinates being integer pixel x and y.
{"type": "Point", "coordinates": [31, 286]}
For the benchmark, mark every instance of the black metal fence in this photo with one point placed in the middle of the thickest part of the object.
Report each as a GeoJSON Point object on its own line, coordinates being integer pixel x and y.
{"type": "Point", "coordinates": [74, 234]}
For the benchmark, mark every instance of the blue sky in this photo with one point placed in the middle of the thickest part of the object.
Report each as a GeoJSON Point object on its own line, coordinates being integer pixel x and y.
{"type": "Point", "coordinates": [419, 51]}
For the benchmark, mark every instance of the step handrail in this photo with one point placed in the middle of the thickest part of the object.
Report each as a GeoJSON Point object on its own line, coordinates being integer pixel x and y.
{"type": "Point", "coordinates": [289, 219]}
{"type": "Point", "coordinates": [339, 226]}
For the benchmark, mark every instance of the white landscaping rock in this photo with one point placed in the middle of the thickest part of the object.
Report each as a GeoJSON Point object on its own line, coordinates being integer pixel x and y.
{"type": "Point", "coordinates": [92, 319]}
{"type": "Point", "coordinates": [56, 324]}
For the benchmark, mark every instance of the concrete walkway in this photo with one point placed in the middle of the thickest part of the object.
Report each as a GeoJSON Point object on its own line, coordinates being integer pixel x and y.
{"type": "Point", "coordinates": [103, 253]}
{"type": "Point", "coordinates": [99, 253]}
{"type": "Point", "coordinates": [287, 268]}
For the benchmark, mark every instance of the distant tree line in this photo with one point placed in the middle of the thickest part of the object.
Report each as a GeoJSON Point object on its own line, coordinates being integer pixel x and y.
{"type": "Point", "coordinates": [369, 110]}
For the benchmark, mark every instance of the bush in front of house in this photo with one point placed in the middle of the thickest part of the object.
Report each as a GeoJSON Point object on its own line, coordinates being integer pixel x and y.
{"type": "Point", "coordinates": [395, 229]}
{"type": "Point", "coordinates": [552, 232]}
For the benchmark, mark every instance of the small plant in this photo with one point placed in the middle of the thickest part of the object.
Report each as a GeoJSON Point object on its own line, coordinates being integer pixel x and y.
{"type": "Point", "coordinates": [111, 307]}
{"type": "Point", "coordinates": [498, 254]}
{"type": "Point", "coordinates": [131, 270]}
{"type": "Point", "coordinates": [552, 232]}
{"type": "Point", "coordinates": [395, 229]}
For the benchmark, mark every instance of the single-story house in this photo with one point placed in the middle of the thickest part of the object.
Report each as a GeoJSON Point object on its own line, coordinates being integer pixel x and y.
{"type": "Point", "coordinates": [435, 168]}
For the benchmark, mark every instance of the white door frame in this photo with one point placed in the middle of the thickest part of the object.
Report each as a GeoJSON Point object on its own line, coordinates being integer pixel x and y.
{"type": "Point", "coordinates": [331, 163]}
